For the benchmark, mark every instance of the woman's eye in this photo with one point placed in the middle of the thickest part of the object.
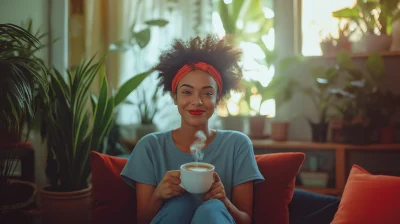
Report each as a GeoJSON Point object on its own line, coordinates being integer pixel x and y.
{"type": "Point", "coordinates": [208, 93]}
{"type": "Point", "coordinates": [186, 92]}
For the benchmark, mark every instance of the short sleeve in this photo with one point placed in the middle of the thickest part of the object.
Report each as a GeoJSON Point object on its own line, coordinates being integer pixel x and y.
{"type": "Point", "coordinates": [245, 165]}
{"type": "Point", "coordinates": [139, 161]}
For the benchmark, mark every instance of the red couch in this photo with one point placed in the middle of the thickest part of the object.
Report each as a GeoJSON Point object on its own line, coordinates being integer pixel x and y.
{"type": "Point", "coordinates": [115, 202]}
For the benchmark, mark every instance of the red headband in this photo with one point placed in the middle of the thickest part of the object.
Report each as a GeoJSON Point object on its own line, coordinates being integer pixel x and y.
{"type": "Point", "coordinates": [197, 66]}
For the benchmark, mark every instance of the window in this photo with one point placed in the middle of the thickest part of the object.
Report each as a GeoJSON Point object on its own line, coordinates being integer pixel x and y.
{"type": "Point", "coordinates": [252, 55]}
{"type": "Point", "coordinates": [317, 23]}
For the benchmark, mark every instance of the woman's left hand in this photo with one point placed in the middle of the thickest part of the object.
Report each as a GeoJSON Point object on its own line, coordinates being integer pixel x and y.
{"type": "Point", "coordinates": [217, 190]}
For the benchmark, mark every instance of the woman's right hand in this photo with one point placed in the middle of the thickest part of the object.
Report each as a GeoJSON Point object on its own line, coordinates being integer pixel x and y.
{"type": "Point", "coordinates": [169, 186]}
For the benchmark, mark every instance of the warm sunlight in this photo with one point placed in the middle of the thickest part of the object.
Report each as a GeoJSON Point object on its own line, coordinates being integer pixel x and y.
{"type": "Point", "coordinates": [317, 22]}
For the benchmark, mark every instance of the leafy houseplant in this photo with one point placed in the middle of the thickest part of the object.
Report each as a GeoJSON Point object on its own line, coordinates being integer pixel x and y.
{"type": "Point", "coordinates": [374, 17]}
{"type": "Point", "coordinates": [23, 76]}
{"type": "Point", "coordinates": [357, 98]}
{"type": "Point", "coordinates": [249, 14]}
{"type": "Point", "coordinates": [147, 108]}
{"type": "Point", "coordinates": [74, 128]}
{"type": "Point", "coordinates": [138, 38]}
{"type": "Point", "coordinates": [22, 79]}
{"type": "Point", "coordinates": [324, 79]}
{"type": "Point", "coordinates": [331, 45]}
{"type": "Point", "coordinates": [77, 123]}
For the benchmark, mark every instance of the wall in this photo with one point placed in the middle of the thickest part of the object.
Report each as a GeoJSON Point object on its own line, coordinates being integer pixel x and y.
{"type": "Point", "coordinates": [16, 12]}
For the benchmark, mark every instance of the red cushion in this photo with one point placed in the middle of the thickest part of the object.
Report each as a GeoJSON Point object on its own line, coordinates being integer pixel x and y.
{"type": "Point", "coordinates": [369, 198]}
{"type": "Point", "coordinates": [273, 195]}
{"type": "Point", "coordinates": [114, 200]}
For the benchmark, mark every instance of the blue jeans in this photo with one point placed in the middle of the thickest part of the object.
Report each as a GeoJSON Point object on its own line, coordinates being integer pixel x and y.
{"type": "Point", "coordinates": [189, 209]}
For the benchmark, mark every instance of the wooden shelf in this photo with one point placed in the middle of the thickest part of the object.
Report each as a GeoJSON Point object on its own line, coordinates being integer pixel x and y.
{"type": "Point", "coordinates": [340, 157]}
{"type": "Point", "coordinates": [359, 55]}
{"type": "Point", "coordinates": [320, 146]}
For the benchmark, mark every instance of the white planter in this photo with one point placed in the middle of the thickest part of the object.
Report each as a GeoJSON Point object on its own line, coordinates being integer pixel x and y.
{"type": "Point", "coordinates": [374, 43]}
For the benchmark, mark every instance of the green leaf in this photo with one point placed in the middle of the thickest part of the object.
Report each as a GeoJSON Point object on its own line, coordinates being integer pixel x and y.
{"type": "Point", "coordinates": [237, 6]}
{"type": "Point", "coordinates": [356, 74]}
{"type": "Point", "coordinates": [157, 22]}
{"type": "Point", "coordinates": [318, 72]}
{"type": "Point", "coordinates": [348, 13]}
{"type": "Point", "coordinates": [228, 22]}
{"type": "Point", "coordinates": [142, 37]}
{"type": "Point", "coordinates": [130, 86]}
{"type": "Point", "coordinates": [343, 59]}
{"type": "Point", "coordinates": [375, 66]}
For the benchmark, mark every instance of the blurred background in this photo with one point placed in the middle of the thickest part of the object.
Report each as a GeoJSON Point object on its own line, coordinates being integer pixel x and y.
{"type": "Point", "coordinates": [314, 70]}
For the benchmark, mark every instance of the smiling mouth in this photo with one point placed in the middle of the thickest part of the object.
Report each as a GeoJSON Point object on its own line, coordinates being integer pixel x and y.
{"type": "Point", "coordinates": [196, 112]}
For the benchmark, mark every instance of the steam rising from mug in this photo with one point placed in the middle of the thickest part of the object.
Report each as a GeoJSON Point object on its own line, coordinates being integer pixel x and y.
{"type": "Point", "coordinates": [197, 145]}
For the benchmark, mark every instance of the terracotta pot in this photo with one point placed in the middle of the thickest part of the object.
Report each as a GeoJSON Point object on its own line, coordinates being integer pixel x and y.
{"type": "Point", "coordinates": [279, 131]}
{"type": "Point", "coordinates": [257, 125]}
{"type": "Point", "coordinates": [344, 45]}
{"type": "Point", "coordinates": [66, 207]}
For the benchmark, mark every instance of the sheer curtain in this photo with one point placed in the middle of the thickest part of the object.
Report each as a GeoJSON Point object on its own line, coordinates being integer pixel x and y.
{"type": "Point", "coordinates": [187, 18]}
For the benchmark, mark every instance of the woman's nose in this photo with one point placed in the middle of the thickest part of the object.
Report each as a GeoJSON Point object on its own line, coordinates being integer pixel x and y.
{"type": "Point", "coordinates": [197, 100]}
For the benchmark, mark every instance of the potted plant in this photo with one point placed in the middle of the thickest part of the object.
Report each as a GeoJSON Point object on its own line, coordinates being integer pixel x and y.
{"type": "Point", "coordinates": [282, 88]}
{"type": "Point", "coordinates": [147, 108]}
{"type": "Point", "coordinates": [253, 100]}
{"type": "Point", "coordinates": [374, 18]}
{"type": "Point", "coordinates": [343, 40]}
{"type": "Point", "coordinates": [22, 79]}
{"type": "Point", "coordinates": [381, 108]}
{"type": "Point", "coordinates": [324, 80]}
{"type": "Point", "coordinates": [77, 122]}
{"type": "Point", "coordinates": [327, 45]}
{"type": "Point", "coordinates": [355, 97]}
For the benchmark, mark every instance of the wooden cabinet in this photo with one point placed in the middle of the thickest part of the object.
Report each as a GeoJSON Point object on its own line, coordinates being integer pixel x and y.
{"type": "Point", "coordinates": [377, 159]}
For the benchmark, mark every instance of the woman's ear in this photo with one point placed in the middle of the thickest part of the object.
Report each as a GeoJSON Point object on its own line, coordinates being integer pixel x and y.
{"type": "Point", "coordinates": [173, 95]}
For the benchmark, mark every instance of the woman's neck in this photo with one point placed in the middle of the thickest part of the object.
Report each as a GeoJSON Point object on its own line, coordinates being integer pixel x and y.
{"type": "Point", "coordinates": [185, 135]}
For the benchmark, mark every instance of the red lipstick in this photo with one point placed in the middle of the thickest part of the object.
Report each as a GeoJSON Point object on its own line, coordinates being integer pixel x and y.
{"type": "Point", "coordinates": [196, 112]}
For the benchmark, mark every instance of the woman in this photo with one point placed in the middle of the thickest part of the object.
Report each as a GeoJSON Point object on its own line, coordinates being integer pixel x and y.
{"type": "Point", "coordinates": [198, 74]}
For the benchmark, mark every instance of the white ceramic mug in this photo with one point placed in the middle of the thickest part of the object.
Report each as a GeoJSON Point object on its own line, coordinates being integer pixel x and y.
{"type": "Point", "coordinates": [197, 177]}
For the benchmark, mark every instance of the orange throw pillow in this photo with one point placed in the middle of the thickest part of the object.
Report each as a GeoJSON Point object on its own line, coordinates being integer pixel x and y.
{"type": "Point", "coordinates": [369, 198]}
{"type": "Point", "coordinates": [114, 201]}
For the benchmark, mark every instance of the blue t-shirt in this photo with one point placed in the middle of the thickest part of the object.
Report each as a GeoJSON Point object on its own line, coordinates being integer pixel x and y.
{"type": "Point", "coordinates": [231, 153]}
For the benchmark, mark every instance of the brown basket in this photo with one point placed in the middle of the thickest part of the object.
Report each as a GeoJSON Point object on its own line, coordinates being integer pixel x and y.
{"type": "Point", "coordinates": [26, 203]}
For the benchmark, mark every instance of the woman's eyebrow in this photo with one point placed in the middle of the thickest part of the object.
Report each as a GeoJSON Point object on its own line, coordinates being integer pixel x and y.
{"type": "Point", "coordinates": [187, 85]}
{"type": "Point", "coordinates": [204, 87]}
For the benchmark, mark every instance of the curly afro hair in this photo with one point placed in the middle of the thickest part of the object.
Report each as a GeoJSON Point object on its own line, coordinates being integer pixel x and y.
{"type": "Point", "coordinates": [211, 50]}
